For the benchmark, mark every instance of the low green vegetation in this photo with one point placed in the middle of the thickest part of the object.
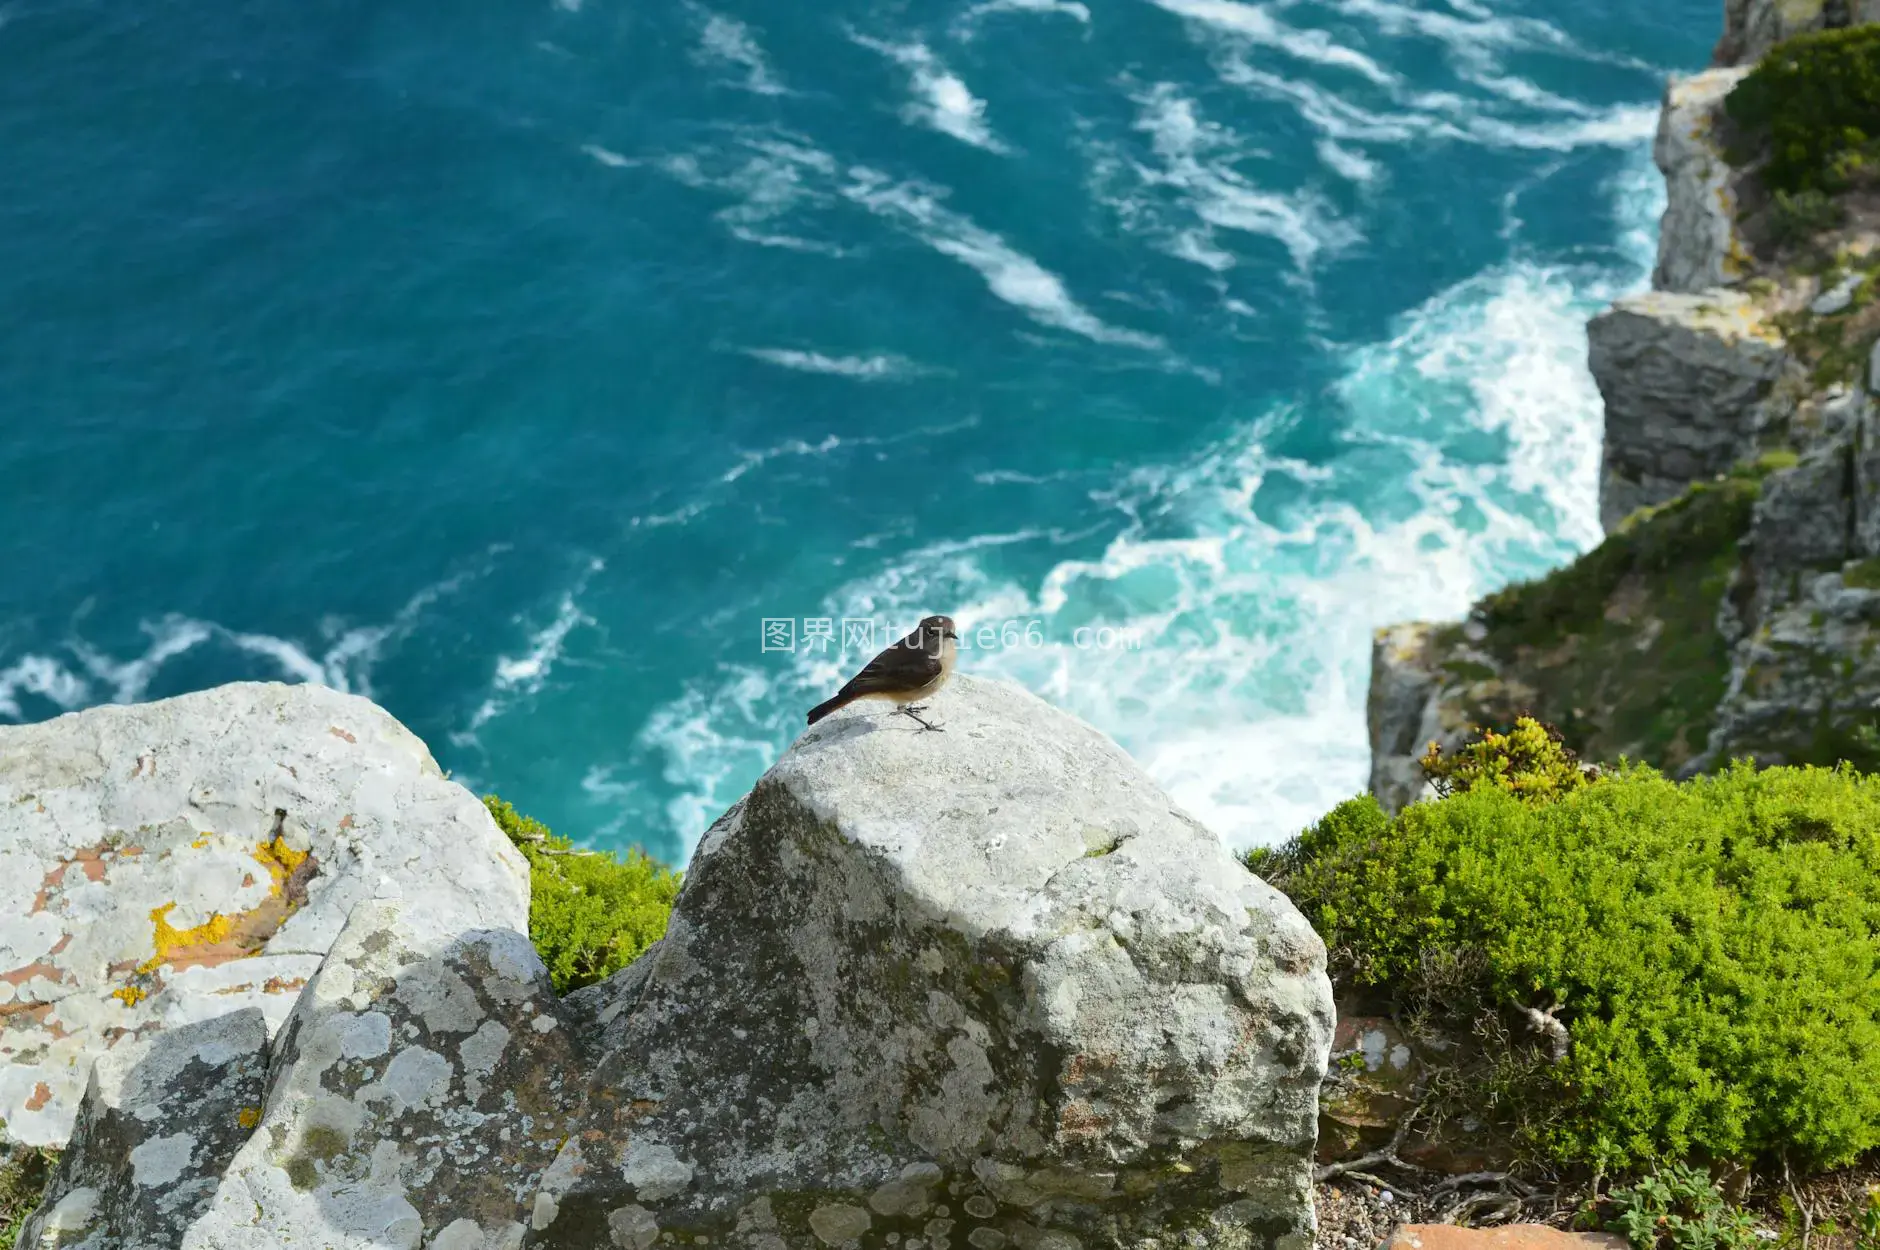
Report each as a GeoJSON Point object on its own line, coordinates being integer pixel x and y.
{"type": "Point", "coordinates": [1711, 948]}
{"type": "Point", "coordinates": [1835, 346]}
{"type": "Point", "coordinates": [590, 913]}
{"type": "Point", "coordinates": [1797, 218]}
{"type": "Point", "coordinates": [1530, 761]}
{"type": "Point", "coordinates": [1811, 112]}
{"type": "Point", "coordinates": [24, 1174]}
{"type": "Point", "coordinates": [1679, 1207]}
{"type": "Point", "coordinates": [1620, 646]}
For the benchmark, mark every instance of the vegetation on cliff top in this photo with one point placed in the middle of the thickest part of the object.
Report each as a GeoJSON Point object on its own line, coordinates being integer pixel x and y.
{"type": "Point", "coordinates": [1811, 110]}
{"type": "Point", "coordinates": [25, 1171]}
{"type": "Point", "coordinates": [1711, 947]}
{"type": "Point", "coordinates": [1620, 647]}
{"type": "Point", "coordinates": [590, 913]}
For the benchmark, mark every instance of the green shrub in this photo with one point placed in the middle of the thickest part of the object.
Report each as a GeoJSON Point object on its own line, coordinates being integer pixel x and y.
{"type": "Point", "coordinates": [1713, 948]}
{"type": "Point", "coordinates": [1813, 106]}
{"type": "Point", "coordinates": [1530, 762]}
{"type": "Point", "coordinates": [1680, 1208]}
{"type": "Point", "coordinates": [25, 1171]}
{"type": "Point", "coordinates": [590, 913]}
{"type": "Point", "coordinates": [1797, 217]}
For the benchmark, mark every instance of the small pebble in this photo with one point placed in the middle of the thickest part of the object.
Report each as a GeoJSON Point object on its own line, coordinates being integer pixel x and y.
{"type": "Point", "coordinates": [1837, 298]}
{"type": "Point", "coordinates": [1386, 1197]}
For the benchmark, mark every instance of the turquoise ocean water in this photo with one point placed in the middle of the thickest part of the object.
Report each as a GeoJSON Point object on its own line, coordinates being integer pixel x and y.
{"type": "Point", "coordinates": [512, 362]}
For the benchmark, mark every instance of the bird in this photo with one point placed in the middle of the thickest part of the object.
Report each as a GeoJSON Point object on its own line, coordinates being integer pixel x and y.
{"type": "Point", "coordinates": [911, 670]}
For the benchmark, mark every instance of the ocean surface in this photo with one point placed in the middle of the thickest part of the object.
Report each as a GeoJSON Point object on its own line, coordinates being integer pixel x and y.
{"type": "Point", "coordinates": [513, 362]}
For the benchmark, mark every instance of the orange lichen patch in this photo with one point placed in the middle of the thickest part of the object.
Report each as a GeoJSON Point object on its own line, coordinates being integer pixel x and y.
{"type": "Point", "coordinates": [1080, 1120]}
{"type": "Point", "coordinates": [346, 821]}
{"type": "Point", "coordinates": [337, 732]}
{"type": "Point", "coordinates": [41, 1095]}
{"type": "Point", "coordinates": [130, 995]}
{"type": "Point", "coordinates": [1082, 1068]}
{"type": "Point", "coordinates": [201, 841]}
{"type": "Point", "coordinates": [20, 976]}
{"type": "Point", "coordinates": [36, 1015]}
{"type": "Point", "coordinates": [281, 985]}
{"type": "Point", "coordinates": [241, 934]}
{"type": "Point", "coordinates": [248, 1117]}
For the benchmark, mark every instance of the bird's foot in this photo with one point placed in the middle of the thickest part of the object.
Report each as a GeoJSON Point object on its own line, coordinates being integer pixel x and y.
{"type": "Point", "coordinates": [913, 713]}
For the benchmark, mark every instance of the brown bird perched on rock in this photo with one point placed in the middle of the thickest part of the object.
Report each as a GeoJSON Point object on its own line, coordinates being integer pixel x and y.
{"type": "Point", "coordinates": [911, 670]}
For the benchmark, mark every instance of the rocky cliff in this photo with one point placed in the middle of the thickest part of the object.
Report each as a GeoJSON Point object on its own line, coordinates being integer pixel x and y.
{"type": "Point", "coordinates": [978, 988]}
{"type": "Point", "coordinates": [1734, 608]}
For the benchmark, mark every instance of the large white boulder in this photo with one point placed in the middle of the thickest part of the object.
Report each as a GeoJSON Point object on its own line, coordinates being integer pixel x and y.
{"type": "Point", "coordinates": [176, 861]}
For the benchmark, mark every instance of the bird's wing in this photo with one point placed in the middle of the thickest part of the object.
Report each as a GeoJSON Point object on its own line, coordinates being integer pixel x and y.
{"type": "Point", "coordinates": [897, 668]}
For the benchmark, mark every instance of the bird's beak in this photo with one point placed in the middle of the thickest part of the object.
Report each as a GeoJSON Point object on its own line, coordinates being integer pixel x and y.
{"type": "Point", "coordinates": [955, 637]}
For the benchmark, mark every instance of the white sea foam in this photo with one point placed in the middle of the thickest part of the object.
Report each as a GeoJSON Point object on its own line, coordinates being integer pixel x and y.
{"type": "Point", "coordinates": [606, 156]}
{"type": "Point", "coordinates": [727, 41]}
{"type": "Point", "coordinates": [969, 21]}
{"type": "Point", "coordinates": [343, 661]}
{"type": "Point", "coordinates": [1253, 24]}
{"type": "Point", "coordinates": [864, 368]}
{"type": "Point", "coordinates": [1347, 162]}
{"type": "Point", "coordinates": [1010, 274]}
{"type": "Point", "coordinates": [794, 447]}
{"type": "Point", "coordinates": [942, 100]}
{"type": "Point", "coordinates": [520, 676]}
{"type": "Point", "coordinates": [772, 178]}
{"type": "Point", "coordinates": [44, 677]}
{"type": "Point", "coordinates": [1198, 161]}
{"type": "Point", "coordinates": [1246, 697]}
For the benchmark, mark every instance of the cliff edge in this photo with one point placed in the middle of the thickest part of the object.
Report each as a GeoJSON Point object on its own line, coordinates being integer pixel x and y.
{"type": "Point", "coordinates": [1733, 609]}
{"type": "Point", "coordinates": [980, 988]}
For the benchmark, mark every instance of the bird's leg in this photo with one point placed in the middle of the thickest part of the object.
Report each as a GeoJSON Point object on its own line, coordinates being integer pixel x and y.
{"type": "Point", "coordinates": [913, 711]}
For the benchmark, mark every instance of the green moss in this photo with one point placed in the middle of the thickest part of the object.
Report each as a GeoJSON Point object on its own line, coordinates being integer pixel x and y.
{"type": "Point", "coordinates": [1710, 946]}
{"type": "Point", "coordinates": [1620, 647]}
{"type": "Point", "coordinates": [1811, 111]}
{"type": "Point", "coordinates": [1863, 575]}
{"type": "Point", "coordinates": [591, 913]}
{"type": "Point", "coordinates": [1468, 670]}
{"type": "Point", "coordinates": [24, 1174]}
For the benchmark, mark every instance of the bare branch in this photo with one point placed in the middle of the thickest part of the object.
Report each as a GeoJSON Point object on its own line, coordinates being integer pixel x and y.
{"type": "Point", "coordinates": [1387, 1156]}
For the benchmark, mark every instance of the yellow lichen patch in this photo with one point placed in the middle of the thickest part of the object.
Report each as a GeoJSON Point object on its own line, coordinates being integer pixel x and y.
{"type": "Point", "coordinates": [170, 939]}
{"type": "Point", "coordinates": [280, 860]}
{"type": "Point", "coordinates": [201, 841]}
{"type": "Point", "coordinates": [130, 995]}
{"type": "Point", "coordinates": [248, 1117]}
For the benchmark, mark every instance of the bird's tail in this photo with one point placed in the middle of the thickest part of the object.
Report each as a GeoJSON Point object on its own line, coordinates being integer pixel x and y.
{"type": "Point", "coordinates": [823, 709]}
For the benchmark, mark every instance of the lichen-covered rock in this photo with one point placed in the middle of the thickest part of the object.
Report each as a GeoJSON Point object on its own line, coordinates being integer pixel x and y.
{"type": "Point", "coordinates": [981, 988]}
{"type": "Point", "coordinates": [174, 861]}
{"type": "Point", "coordinates": [1687, 381]}
{"type": "Point", "coordinates": [1807, 678]}
{"type": "Point", "coordinates": [1752, 27]}
{"type": "Point", "coordinates": [162, 1118]}
{"type": "Point", "coordinates": [1413, 701]}
{"type": "Point", "coordinates": [1698, 246]}
{"type": "Point", "coordinates": [1804, 517]}
{"type": "Point", "coordinates": [418, 1097]}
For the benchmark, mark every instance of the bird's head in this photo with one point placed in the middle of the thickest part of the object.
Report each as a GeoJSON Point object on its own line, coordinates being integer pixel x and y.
{"type": "Point", "coordinates": [934, 628]}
